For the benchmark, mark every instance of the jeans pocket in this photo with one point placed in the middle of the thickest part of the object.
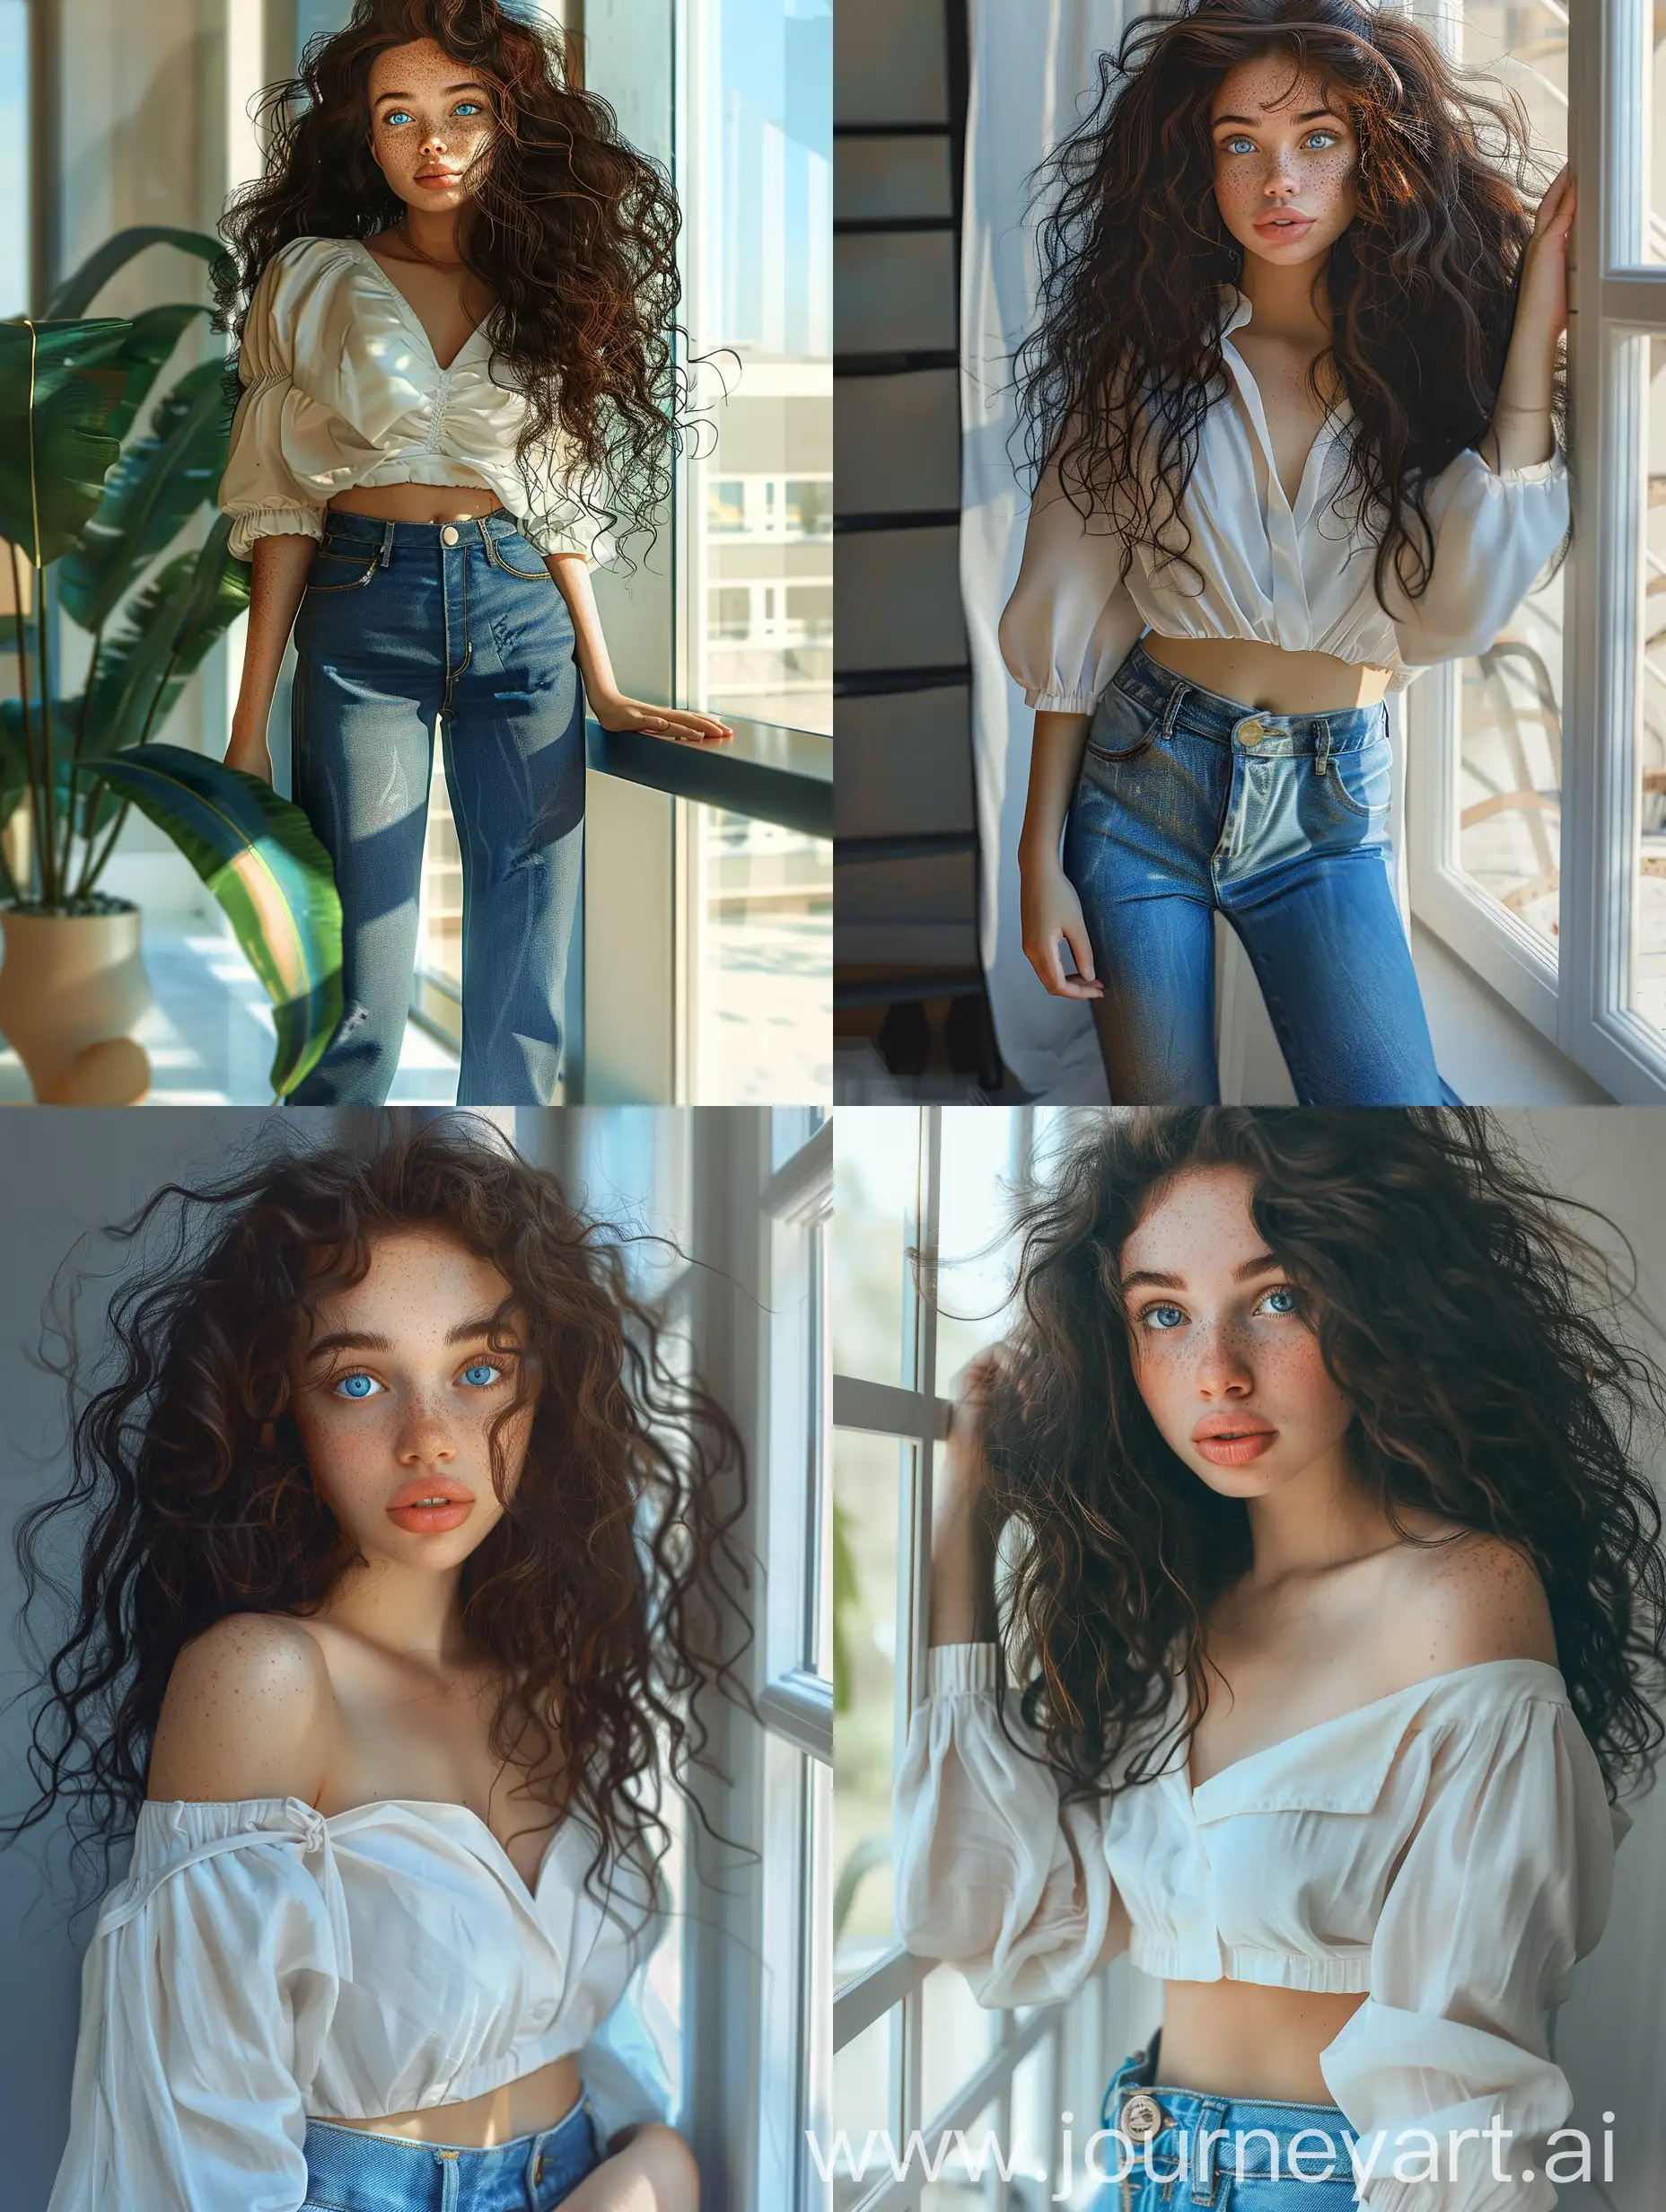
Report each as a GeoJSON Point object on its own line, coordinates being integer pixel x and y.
{"type": "Point", "coordinates": [1359, 780]}
{"type": "Point", "coordinates": [500, 559]}
{"type": "Point", "coordinates": [343, 571]}
{"type": "Point", "coordinates": [1122, 729]}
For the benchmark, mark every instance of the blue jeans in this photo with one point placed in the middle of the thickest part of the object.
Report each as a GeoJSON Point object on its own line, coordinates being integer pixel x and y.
{"type": "Point", "coordinates": [1190, 805]}
{"type": "Point", "coordinates": [1270, 2158]}
{"type": "Point", "coordinates": [350, 2171]}
{"type": "Point", "coordinates": [404, 623]}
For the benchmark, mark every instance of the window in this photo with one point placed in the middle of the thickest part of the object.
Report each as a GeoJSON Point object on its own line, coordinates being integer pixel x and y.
{"type": "Point", "coordinates": [1536, 803]}
{"type": "Point", "coordinates": [912, 2047]}
{"type": "Point", "coordinates": [756, 159]}
{"type": "Point", "coordinates": [15, 158]}
{"type": "Point", "coordinates": [747, 1197]}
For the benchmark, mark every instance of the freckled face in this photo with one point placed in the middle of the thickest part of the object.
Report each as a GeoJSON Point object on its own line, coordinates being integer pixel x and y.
{"type": "Point", "coordinates": [395, 1389]}
{"type": "Point", "coordinates": [1285, 161]}
{"type": "Point", "coordinates": [1222, 1353]}
{"type": "Point", "coordinates": [430, 118]}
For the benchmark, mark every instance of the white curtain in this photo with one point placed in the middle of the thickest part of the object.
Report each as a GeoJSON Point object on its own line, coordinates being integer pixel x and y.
{"type": "Point", "coordinates": [1032, 69]}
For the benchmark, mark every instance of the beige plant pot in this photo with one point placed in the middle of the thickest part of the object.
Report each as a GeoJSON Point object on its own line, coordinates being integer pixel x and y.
{"type": "Point", "coordinates": [73, 988]}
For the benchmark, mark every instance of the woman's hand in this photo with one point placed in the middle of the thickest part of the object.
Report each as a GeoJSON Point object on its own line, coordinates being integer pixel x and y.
{"type": "Point", "coordinates": [614, 711]}
{"type": "Point", "coordinates": [1049, 909]}
{"type": "Point", "coordinates": [249, 750]}
{"type": "Point", "coordinates": [1520, 435]}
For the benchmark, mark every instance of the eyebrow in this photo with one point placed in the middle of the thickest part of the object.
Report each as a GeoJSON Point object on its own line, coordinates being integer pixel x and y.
{"type": "Point", "coordinates": [1312, 116]}
{"type": "Point", "coordinates": [360, 1340]}
{"type": "Point", "coordinates": [449, 87]}
{"type": "Point", "coordinates": [1262, 1264]}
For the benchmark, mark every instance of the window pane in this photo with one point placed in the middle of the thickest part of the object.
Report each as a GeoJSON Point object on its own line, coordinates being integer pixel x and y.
{"type": "Point", "coordinates": [1510, 773]}
{"type": "Point", "coordinates": [876, 1155]}
{"type": "Point", "coordinates": [1648, 978]}
{"type": "Point", "coordinates": [1035, 2115]}
{"type": "Point", "coordinates": [760, 961]}
{"type": "Point", "coordinates": [760, 159]}
{"type": "Point", "coordinates": [866, 1473]}
{"type": "Point", "coordinates": [865, 2103]}
{"type": "Point", "coordinates": [970, 2181]}
{"type": "Point", "coordinates": [959, 2035]}
{"type": "Point", "coordinates": [14, 156]}
{"type": "Point", "coordinates": [984, 1158]}
{"type": "Point", "coordinates": [1653, 22]}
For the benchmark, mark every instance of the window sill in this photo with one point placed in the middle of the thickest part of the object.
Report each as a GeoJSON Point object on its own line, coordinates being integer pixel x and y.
{"type": "Point", "coordinates": [768, 773]}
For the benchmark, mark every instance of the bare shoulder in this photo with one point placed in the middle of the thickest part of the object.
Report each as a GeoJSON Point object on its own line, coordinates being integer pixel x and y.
{"type": "Point", "coordinates": [1473, 1598]}
{"type": "Point", "coordinates": [249, 1712]}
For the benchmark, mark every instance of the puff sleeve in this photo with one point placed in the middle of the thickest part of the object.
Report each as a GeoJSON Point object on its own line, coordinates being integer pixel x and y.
{"type": "Point", "coordinates": [561, 507]}
{"type": "Point", "coordinates": [991, 1872]}
{"type": "Point", "coordinates": [1493, 532]}
{"type": "Point", "coordinates": [1071, 620]}
{"type": "Point", "coordinates": [1505, 1882]}
{"type": "Point", "coordinates": [206, 1994]}
{"type": "Point", "coordinates": [267, 488]}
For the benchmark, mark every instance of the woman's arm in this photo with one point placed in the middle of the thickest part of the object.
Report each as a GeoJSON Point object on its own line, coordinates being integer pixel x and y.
{"type": "Point", "coordinates": [275, 593]}
{"type": "Point", "coordinates": [964, 1536]}
{"type": "Point", "coordinates": [607, 703]}
{"type": "Point", "coordinates": [1519, 434]}
{"type": "Point", "coordinates": [1049, 906]}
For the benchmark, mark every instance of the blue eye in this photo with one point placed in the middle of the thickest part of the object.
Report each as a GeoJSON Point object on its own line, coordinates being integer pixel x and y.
{"type": "Point", "coordinates": [1161, 1318]}
{"type": "Point", "coordinates": [396, 115]}
{"type": "Point", "coordinates": [481, 1374]}
{"type": "Point", "coordinates": [1231, 145]}
{"type": "Point", "coordinates": [356, 1386]}
{"type": "Point", "coordinates": [1329, 137]}
{"type": "Point", "coordinates": [466, 107]}
{"type": "Point", "coordinates": [1292, 1303]}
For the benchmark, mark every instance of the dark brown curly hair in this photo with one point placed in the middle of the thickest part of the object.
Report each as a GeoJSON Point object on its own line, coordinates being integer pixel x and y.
{"type": "Point", "coordinates": [1125, 359]}
{"type": "Point", "coordinates": [611, 1595]}
{"type": "Point", "coordinates": [1471, 1323]}
{"type": "Point", "coordinates": [573, 232]}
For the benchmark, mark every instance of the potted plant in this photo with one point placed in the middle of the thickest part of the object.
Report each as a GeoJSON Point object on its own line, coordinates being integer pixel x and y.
{"type": "Point", "coordinates": [92, 514]}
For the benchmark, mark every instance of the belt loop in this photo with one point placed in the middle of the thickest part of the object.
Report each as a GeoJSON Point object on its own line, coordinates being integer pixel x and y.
{"type": "Point", "coordinates": [1321, 756]}
{"type": "Point", "coordinates": [387, 544]}
{"type": "Point", "coordinates": [451, 2181]}
{"type": "Point", "coordinates": [1173, 708]}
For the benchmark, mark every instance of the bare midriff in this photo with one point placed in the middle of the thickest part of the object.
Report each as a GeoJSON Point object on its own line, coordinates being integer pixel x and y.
{"type": "Point", "coordinates": [524, 2107]}
{"type": "Point", "coordinates": [1257, 674]}
{"type": "Point", "coordinates": [418, 502]}
{"type": "Point", "coordinates": [1240, 2038]}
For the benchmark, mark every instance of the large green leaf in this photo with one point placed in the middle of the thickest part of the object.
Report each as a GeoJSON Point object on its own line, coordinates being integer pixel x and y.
{"type": "Point", "coordinates": [78, 292]}
{"type": "Point", "coordinates": [162, 480]}
{"type": "Point", "coordinates": [56, 453]}
{"type": "Point", "coordinates": [179, 611]}
{"type": "Point", "coordinates": [259, 855]}
{"type": "Point", "coordinates": [150, 341]}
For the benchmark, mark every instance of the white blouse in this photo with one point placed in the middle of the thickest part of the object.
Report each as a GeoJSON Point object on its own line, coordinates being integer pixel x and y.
{"type": "Point", "coordinates": [342, 388]}
{"type": "Point", "coordinates": [1298, 578]}
{"type": "Point", "coordinates": [1448, 1850]}
{"type": "Point", "coordinates": [264, 1964]}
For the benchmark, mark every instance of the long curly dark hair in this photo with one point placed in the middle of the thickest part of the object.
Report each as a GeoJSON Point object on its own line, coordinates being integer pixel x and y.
{"type": "Point", "coordinates": [1473, 1325]}
{"type": "Point", "coordinates": [1115, 380]}
{"type": "Point", "coordinates": [609, 1597]}
{"type": "Point", "coordinates": [573, 232]}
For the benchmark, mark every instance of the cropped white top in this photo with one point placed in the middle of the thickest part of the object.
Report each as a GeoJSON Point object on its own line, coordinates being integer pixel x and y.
{"type": "Point", "coordinates": [1448, 1850]}
{"type": "Point", "coordinates": [342, 388]}
{"type": "Point", "coordinates": [264, 1964]}
{"type": "Point", "coordinates": [1298, 578]}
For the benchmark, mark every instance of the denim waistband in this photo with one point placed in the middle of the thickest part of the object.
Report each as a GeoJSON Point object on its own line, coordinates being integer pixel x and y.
{"type": "Point", "coordinates": [369, 531]}
{"type": "Point", "coordinates": [1253, 2138]}
{"type": "Point", "coordinates": [1187, 706]}
{"type": "Point", "coordinates": [364, 2172]}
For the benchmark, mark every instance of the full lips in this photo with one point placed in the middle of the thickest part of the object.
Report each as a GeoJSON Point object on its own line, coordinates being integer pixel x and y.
{"type": "Point", "coordinates": [432, 1520]}
{"type": "Point", "coordinates": [1235, 1450]}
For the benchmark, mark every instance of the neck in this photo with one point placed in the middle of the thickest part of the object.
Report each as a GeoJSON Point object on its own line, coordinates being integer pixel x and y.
{"type": "Point", "coordinates": [431, 233]}
{"type": "Point", "coordinates": [1320, 1518]}
{"type": "Point", "coordinates": [417, 1615]}
{"type": "Point", "coordinates": [1286, 303]}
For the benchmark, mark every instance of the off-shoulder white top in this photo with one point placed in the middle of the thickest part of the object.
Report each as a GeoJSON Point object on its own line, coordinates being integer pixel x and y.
{"type": "Point", "coordinates": [342, 388]}
{"type": "Point", "coordinates": [1448, 1850]}
{"type": "Point", "coordinates": [1296, 577]}
{"type": "Point", "coordinates": [264, 1964]}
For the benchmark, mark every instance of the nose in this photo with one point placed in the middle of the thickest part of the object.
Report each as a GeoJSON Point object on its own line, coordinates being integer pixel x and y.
{"type": "Point", "coordinates": [1223, 1373]}
{"type": "Point", "coordinates": [425, 1437]}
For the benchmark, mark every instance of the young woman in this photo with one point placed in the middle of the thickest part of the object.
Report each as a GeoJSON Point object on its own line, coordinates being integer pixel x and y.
{"type": "Point", "coordinates": [1335, 1600]}
{"type": "Point", "coordinates": [456, 364]}
{"type": "Point", "coordinates": [1291, 397]}
{"type": "Point", "coordinates": [391, 1514]}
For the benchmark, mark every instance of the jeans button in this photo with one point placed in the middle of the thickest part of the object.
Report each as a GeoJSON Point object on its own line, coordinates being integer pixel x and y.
{"type": "Point", "coordinates": [538, 2170]}
{"type": "Point", "coordinates": [449, 534]}
{"type": "Point", "coordinates": [1141, 2116]}
{"type": "Point", "coordinates": [1250, 733]}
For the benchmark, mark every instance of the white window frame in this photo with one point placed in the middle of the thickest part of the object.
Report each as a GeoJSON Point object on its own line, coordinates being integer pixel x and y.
{"type": "Point", "coordinates": [1576, 996]}
{"type": "Point", "coordinates": [1079, 2036]}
